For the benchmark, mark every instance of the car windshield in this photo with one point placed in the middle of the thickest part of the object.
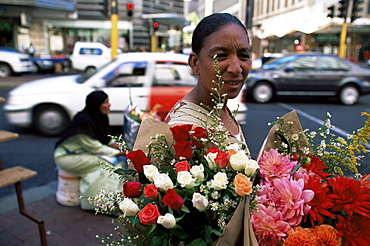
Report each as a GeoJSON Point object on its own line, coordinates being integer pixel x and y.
{"type": "Point", "coordinates": [84, 77]}
{"type": "Point", "coordinates": [276, 64]}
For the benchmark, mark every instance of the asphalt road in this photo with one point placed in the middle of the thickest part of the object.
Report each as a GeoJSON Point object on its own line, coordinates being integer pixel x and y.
{"type": "Point", "coordinates": [35, 151]}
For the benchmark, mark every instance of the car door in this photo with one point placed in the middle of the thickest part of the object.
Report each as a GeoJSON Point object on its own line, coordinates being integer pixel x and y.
{"type": "Point", "coordinates": [172, 81]}
{"type": "Point", "coordinates": [330, 71]}
{"type": "Point", "coordinates": [298, 76]}
{"type": "Point", "coordinates": [128, 83]}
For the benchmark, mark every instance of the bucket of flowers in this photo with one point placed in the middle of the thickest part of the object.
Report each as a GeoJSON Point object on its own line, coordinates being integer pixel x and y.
{"type": "Point", "coordinates": [184, 185]}
{"type": "Point", "coordinates": [311, 191]}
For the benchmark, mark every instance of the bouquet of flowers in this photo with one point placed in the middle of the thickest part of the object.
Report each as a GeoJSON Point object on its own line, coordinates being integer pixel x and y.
{"type": "Point", "coordinates": [184, 184]}
{"type": "Point", "coordinates": [311, 192]}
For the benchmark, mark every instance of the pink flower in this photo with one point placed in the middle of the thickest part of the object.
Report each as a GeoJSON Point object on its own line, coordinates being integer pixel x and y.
{"type": "Point", "coordinates": [290, 199]}
{"type": "Point", "coordinates": [269, 226]}
{"type": "Point", "coordinates": [274, 165]}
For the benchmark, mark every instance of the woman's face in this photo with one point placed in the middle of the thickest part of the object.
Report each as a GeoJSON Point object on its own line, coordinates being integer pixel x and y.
{"type": "Point", "coordinates": [232, 48]}
{"type": "Point", "coordinates": [105, 107]}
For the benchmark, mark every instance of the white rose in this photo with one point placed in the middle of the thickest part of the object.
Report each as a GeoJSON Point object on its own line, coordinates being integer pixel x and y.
{"type": "Point", "coordinates": [219, 181]}
{"type": "Point", "coordinates": [251, 167]}
{"type": "Point", "coordinates": [200, 202]}
{"type": "Point", "coordinates": [185, 179]}
{"type": "Point", "coordinates": [163, 182]}
{"type": "Point", "coordinates": [211, 160]}
{"type": "Point", "coordinates": [168, 220]}
{"type": "Point", "coordinates": [198, 172]}
{"type": "Point", "coordinates": [128, 207]}
{"type": "Point", "coordinates": [234, 146]}
{"type": "Point", "coordinates": [150, 171]}
{"type": "Point", "coordinates": [238, 161]}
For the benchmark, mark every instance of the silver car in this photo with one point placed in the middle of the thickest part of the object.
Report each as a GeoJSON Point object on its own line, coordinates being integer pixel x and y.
{"type": "Point", "coordinates": [311, 74]}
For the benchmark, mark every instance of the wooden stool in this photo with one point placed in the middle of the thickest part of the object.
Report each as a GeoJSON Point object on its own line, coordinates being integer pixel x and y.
{"type": "Point", "coordinates": [15, 175]}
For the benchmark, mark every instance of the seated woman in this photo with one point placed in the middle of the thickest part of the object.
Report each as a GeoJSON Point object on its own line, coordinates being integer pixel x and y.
{"type": "Point", "coordinates": [85, 143]}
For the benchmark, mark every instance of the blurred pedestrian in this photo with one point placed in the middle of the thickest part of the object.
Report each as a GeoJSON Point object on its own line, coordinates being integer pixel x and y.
{"type": "Point", "coordinates": [85, 143]}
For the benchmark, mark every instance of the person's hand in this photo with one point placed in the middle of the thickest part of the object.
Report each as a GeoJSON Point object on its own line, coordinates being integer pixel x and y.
{"type": "Point", "coordinates": [114, 145]}
{"type": "Point", "coordinates": [122, 153]}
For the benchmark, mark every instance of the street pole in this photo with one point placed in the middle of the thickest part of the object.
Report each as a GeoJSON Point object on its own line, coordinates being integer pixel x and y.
{"type": "Point", "coordinates": [114, 28]}
{"type": "Point", "coordinates": [342, 44]}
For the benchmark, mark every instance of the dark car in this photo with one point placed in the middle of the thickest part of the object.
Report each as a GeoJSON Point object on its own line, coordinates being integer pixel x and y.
{"type": "Point", "coordinates": [309, 74]}
{"type": "Point", "coordinates": [40, 65]}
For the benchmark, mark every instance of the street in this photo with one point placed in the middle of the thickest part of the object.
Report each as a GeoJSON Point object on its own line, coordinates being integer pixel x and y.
{"type": "Point", "coordinates": [36, 152]}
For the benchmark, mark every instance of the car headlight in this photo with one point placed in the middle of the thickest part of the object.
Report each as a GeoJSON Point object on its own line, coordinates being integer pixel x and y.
{"type": "Point", "coordinates": [47, 63]}
{"type": "Point", "coordinates": [15, 100]}
{"type": "Point", "coordinates": [366, 83]}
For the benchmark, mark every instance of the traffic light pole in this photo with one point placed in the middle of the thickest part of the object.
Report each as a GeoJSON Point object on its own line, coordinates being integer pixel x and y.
{"type": "Point", "coordinates": [114, 28]}
{"type": "Point", "coordinates": [342, 42]}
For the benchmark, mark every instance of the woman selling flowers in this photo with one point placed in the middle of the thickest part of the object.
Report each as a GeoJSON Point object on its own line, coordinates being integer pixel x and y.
{"type": "Point", "coordinates": [224, 38]}
{"type": "Point", "coordinates": [190, 181]}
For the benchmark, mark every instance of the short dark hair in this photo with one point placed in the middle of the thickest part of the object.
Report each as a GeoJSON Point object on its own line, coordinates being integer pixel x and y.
{"type": "Point", "coordinates": [211, 24]}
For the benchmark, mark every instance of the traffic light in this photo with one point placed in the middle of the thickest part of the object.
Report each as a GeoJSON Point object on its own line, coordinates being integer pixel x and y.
{"type": "Point", "coordinates": [356, 9]}
{"type": "Point", "coordinates": [331, 11]}
{"type": "Point", "coordinates": [155, 26]}
{"type": "Point", "coordinates": [130, 8]}
{"type": "Point", "coordinates": [343, 9]}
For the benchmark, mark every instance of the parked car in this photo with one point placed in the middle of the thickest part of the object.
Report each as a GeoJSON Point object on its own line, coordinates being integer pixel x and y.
{"type": "Point", "coordinates": [39, 65]}
{"type": "Point", "coordinates": [310, 74]}
{"type": "Point", "coordinates": [146, 79]}
{"type": "Point", "coordinates": [89, 56]}
{"type": "Point", "coordinates": [13, 62]}
{"type": "Point", "coordinates": [42, 65]}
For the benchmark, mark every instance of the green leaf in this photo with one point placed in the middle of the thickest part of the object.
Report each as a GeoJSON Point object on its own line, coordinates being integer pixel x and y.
{"type": "Point", "coordinates": [198, 242]}
{"type": "Point", "coordinates": [180, 233]}
{"type": "Point", "coordinates": [149, 230]}
{"type": "Point", "coordinates": [156, 240]}
{"type": "Point", "coordinates": [185, 209]}
{"type": "Point", "coordinates": [122, 171]}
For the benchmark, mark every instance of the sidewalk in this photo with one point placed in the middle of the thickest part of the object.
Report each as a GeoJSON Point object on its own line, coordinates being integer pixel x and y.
{"type": "Point", "coordinates": [69, 226]}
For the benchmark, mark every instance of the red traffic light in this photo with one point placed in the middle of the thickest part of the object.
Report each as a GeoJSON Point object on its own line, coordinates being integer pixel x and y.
{"type": "Point", "coordinates": [155, 26]}
{"type": "Point", "coordinates": [130, 6]}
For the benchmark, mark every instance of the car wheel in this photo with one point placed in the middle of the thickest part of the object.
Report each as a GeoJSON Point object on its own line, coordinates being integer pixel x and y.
{"type": "Point", "coordinates": [90, 70]}
{"type": "Point", "coordinates": [262, 93]}
{"type": "Point", "coordinates": [5, 70]}
{"type": "Point", "coordinates": [349, 95]}
{"type": "Point", "coordinates": [50, 120]}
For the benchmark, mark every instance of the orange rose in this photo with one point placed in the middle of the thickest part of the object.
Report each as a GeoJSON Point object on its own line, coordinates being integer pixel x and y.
{"type": "Point", "coordinates": [242, 185]}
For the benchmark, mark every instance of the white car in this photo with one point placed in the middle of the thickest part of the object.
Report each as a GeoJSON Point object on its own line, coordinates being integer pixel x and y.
{"type": "Point", "coordinates": [145, 78]}
{"type": "Point", "coordinates": [14, 63]}
{"type": "Point", "coordinates": [89, 56]}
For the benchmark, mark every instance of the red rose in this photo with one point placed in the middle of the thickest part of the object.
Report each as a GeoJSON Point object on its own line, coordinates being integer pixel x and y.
{"type": "Point", "coordinates": [151, 191]}
{"type": "Point", "coordinates": [183, 149]}
{"type": "Point", "coordinates": [198, 134]}
{"type": "Point", "coordinates": [172, 199]}
{"type": "Point", "coordinates": [149, 214]}
{"type": "Point", "coordinates": [139, 159]}
{"type": "Point", "coordinates": [182, 166]}
{"type": "Point", "coordinates": [181, 132]}
{"type": "Point", "coordinates": [132, 189]}
{"type": "Point", "coordinates": [222, 159]}
{"type": "Point", "coordinates": [212, 150]}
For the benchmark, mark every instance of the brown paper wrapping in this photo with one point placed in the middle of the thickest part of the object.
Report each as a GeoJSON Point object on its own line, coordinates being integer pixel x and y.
{"type": "Point", "coordinates": [296, 128]}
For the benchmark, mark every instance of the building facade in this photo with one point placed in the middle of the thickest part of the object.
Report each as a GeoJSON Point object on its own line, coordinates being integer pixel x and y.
{"type": "Point", "coordinates": [288, 26]}
{"type": "Point", "coordinates": [53, 27]}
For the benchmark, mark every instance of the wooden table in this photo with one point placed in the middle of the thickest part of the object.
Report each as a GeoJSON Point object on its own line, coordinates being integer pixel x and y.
{"type": "Point", "coordinates": [15, 175]}
{"type": "Point", "coordinates": [6, 135]}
